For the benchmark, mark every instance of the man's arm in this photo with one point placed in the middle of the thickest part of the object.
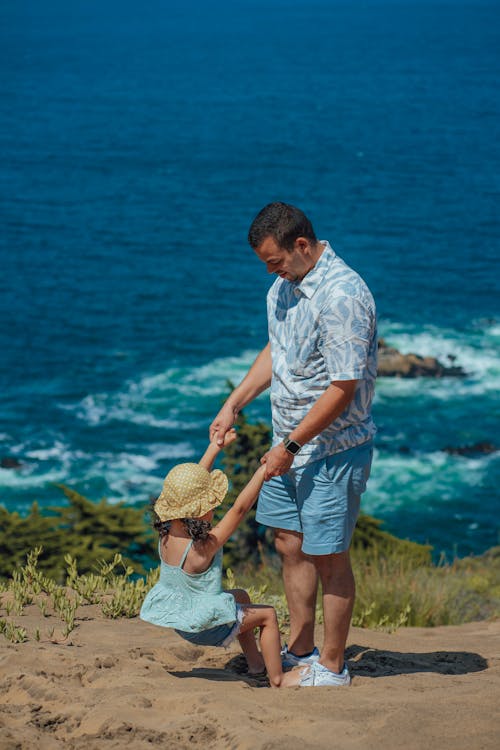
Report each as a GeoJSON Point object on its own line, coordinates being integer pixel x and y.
{"type": "Point", "coordinates": [257, 379]}
{"type": "Point", "coordinates": [324, 411]}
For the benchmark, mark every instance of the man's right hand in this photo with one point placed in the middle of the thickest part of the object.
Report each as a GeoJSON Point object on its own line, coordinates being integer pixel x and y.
{"type": "Point", "coordinates": [222, 423]}
{"type": "Point", "coordinates": [277, 461]}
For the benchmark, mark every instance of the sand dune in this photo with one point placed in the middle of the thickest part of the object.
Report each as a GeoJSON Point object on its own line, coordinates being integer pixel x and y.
{"type": "Point", "coordinates": [116, 684]}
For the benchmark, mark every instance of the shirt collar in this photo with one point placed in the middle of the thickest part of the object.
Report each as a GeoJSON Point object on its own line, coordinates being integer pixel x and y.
{"type": "Point", "coordinates": [313, 279]}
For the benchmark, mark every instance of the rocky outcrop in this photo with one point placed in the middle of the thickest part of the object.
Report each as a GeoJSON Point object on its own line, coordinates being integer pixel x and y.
{"type": "Point", "coordinates": [9, 463]}
{"type": "Point", "coordinates": [391, 363]}
{"type": "Point", "coordinates": [471, 450]}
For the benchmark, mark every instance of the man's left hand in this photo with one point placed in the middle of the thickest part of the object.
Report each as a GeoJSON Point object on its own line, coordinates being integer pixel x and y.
{"type": "Point", "coordinates": [278, 461]}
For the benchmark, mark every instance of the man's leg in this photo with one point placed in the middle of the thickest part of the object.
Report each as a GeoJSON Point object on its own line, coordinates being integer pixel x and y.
{"type": "Point", "coordinates": [300, 580]}
{"type": "Point", "coordinates": [337, 581]}
{"type": "Point", "coordinates": [331, 494]}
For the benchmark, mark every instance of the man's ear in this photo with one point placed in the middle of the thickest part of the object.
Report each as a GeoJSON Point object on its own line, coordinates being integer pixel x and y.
{"type": "Point", "coordinates": [302, 244]}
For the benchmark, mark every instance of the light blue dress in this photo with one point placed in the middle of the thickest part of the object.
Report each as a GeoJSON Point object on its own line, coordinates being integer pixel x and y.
{"type": "Point", "coordinates": [190, 602]}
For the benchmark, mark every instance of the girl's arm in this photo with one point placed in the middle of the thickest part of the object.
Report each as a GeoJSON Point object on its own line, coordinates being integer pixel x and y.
{"type": "Point", "coordinates": [211, 453]}
{"type": "Point", "coordinates": [227, 525]}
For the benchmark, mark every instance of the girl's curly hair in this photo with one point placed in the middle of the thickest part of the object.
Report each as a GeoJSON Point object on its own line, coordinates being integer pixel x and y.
{"type": "Point", "coordinates": [197, 529]}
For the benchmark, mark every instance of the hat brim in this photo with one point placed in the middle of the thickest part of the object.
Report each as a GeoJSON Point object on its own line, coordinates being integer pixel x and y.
{"type": "Point", "coordinates": [206, 501]}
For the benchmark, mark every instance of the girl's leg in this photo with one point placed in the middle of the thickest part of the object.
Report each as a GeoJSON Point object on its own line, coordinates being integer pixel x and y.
{"type": "Point", "coordinates": [247, 639]}
{"type": "Point", "coordinates": [264, 617]}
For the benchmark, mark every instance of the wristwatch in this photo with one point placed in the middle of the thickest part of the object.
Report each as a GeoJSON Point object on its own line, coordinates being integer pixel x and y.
{"type": "Point", "coordinates": [292, 446]}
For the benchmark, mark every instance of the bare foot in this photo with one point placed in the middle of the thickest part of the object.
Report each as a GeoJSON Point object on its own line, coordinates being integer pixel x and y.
{"type": "Point", "coordinates": [292, 678]}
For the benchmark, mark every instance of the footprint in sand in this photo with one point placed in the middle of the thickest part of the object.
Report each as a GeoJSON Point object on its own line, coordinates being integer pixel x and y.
{"type": "Point", "coordinates": [106, 663]}
{"type": "Point", "coordinates": [41, 688]}
{"type": "Point", "coordinates": [141, 653]}
{"type": "Point", "coordinates": [187, 652]}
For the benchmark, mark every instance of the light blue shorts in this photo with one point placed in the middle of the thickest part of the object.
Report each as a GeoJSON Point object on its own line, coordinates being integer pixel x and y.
{"type": "Point", "coordinates": [221, 635]}
{"type": "Point", "coordinates": [321, 500]}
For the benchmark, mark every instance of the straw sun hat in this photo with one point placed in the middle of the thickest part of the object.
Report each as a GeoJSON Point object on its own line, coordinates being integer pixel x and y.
{"type": "Point", "coordinates": [190, 491]}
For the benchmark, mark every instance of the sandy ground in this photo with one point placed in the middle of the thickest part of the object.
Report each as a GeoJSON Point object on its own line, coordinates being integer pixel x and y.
{"type": "Point", "coordinates": [124, 683]}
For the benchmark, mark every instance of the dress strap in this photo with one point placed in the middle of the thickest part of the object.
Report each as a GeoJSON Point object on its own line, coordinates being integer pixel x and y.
{"type": "Point", "coordinates": [183, 558]}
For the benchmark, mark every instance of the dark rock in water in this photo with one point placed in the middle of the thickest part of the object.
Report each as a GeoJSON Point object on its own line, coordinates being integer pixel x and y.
{"type": "Point", "coordinates": [10, 463]}
{"type": "Point", "coordinates": [391, 363]}
{"type": "Point", "coordinates": [471, 450]}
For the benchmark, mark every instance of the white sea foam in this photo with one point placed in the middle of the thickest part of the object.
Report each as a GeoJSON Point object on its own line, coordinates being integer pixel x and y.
{"type": "Point", "coordinates": [59, 451]}
{"type": "Point", "coordinates": [149, 460]}
{"type": "Point", "coordinates": [428, 480]}
{"type": "Point", "coordinates": [134, 476]}
{"type": "Point", "coordinates": [42, 465]}
{"type": "Point", "coordinates": [28, 477]}
{"type": "Point", "coordinates": [476, 351]}
{"type": "Point", "coordinates": [131, 474]}
{"type": "Point", "coordinates": [183, 399]}
{"type": "Point", "coordinates": [163, 452]}
{"type": "Point", "coordinates": [493, 329]}
{"type": "Point", "coordinates": [179, 393]}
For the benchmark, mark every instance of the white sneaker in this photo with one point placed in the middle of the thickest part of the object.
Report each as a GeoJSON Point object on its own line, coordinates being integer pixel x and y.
{"type": "Point", "coordinates": [289, 659]}
{"type": "Point", "coordinates": [319, 676]}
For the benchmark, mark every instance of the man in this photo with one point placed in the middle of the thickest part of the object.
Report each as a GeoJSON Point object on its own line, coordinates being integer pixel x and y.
{"type": "Point", "coordinates": [320, 362]}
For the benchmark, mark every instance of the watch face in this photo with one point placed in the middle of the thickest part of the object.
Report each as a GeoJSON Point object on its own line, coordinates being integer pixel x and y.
{"type": "Point", "coordinates": [292, 447]}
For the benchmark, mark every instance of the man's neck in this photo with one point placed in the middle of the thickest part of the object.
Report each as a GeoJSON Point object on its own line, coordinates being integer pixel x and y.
{"type": "Point", "coordinates": [316, 253]}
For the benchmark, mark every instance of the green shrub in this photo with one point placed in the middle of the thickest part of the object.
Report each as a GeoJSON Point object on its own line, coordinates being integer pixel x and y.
{"type": "Point", "coordinates": [89, 531]}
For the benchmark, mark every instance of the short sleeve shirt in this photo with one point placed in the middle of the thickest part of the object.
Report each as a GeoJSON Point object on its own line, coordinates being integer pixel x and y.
{"type": "Point", "coordinates": [322, 329]}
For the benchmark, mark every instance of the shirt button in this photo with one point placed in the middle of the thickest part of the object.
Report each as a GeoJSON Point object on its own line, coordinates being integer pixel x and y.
{"type": "Point", "coordinates": [297, 292]}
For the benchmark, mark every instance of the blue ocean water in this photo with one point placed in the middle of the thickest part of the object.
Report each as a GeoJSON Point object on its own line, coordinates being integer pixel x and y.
{"type": "Point", "coordinates": [139, 141]}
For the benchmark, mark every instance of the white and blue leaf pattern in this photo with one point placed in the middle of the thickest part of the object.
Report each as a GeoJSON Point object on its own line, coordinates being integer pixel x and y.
{"type": "Point", "coordinates": [321, 330]}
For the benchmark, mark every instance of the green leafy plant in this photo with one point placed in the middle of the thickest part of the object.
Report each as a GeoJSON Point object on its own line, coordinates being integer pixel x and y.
{"type": "Point", "coordinates": [13, 633]}
{"type": "Point", "coordinates": [90, 587]}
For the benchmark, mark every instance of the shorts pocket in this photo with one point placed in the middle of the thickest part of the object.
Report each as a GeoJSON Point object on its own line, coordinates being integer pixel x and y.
{"type": "Point", "coordinates": [361, 471]}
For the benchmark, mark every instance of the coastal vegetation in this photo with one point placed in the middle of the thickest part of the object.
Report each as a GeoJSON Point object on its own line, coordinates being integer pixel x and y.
{"type": "Point", "coordinates": [89, 531]}
{"type": "Point", "coordinates": [112, 587]}
{"type": "Point", "coordinates": [96, 553]}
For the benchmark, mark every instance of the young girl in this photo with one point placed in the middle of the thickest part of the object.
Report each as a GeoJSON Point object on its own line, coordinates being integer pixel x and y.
{"type": "Point", "coordinates": [188, 596]}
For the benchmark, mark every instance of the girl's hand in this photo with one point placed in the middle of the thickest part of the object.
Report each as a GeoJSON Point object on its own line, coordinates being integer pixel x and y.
{"type": "Point", "coordinates": [229, 438]}
{"type": "Point", "coordinates": [214, 448]}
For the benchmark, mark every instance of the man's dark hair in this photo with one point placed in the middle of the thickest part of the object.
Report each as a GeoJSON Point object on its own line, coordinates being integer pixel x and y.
{"type": "Point", "coordinates": [282, 222]}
